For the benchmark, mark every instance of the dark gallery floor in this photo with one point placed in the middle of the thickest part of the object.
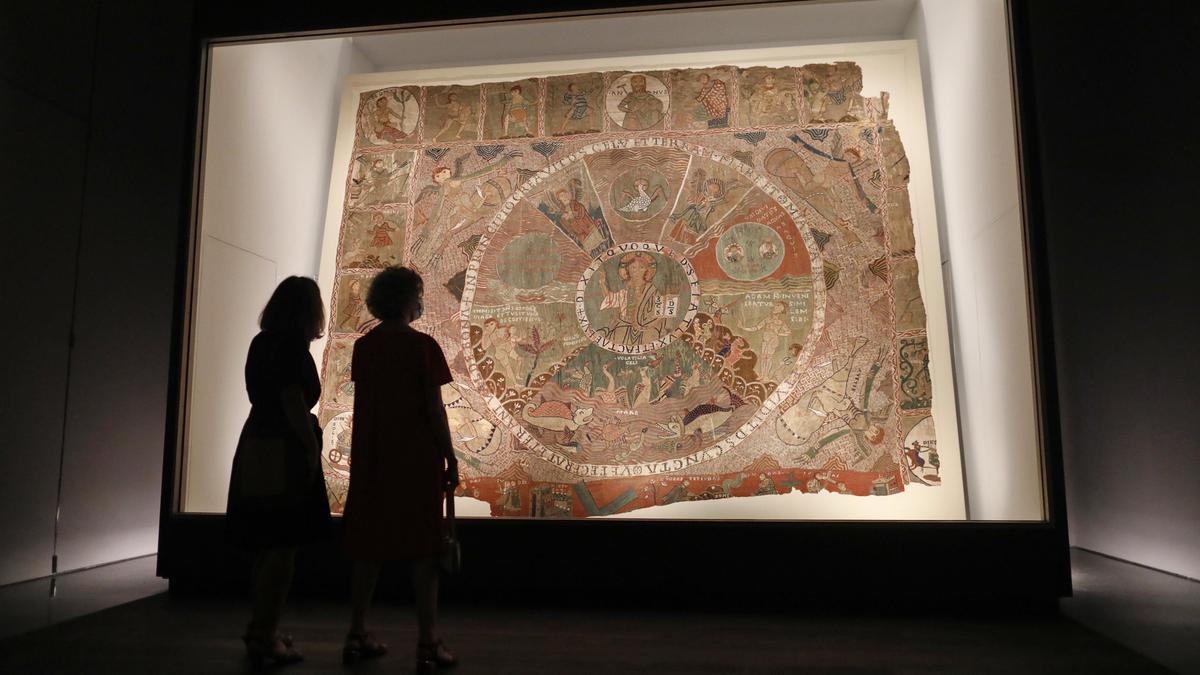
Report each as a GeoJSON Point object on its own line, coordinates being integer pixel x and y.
{"type": "Point", "coordinates": [1123, 619]}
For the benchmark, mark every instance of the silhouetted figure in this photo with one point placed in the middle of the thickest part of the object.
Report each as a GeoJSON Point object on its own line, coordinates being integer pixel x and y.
{"type": "Point", "coordinates": [276, 491]}
{"type": "Point", "coordinates": [402, 462]}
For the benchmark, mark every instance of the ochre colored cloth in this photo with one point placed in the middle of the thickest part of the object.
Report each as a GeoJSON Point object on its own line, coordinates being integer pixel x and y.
{"type": "Point", "coordinates": [394, 505]}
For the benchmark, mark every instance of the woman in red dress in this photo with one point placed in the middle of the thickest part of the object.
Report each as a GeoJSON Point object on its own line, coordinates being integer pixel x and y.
{"type": "Point", "coordinates": [402, 461]}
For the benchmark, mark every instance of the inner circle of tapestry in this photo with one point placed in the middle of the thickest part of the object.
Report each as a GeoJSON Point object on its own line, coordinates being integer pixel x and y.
{"type": "Point", "coordinates": [626, 322]}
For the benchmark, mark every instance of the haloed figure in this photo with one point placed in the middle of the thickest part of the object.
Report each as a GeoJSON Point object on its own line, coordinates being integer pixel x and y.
{"type": "Point", "coordinates": [404, 465]}
{"type": "Point", "coordinates": [642, 109]}
{"type": "Point", "coordinates": [640, 309]}
{"type": "Point", "coordinates": [276, 491]}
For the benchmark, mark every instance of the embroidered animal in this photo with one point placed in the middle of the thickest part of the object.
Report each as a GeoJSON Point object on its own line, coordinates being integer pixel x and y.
{"type": "Point", "coordinates": [556, 416]}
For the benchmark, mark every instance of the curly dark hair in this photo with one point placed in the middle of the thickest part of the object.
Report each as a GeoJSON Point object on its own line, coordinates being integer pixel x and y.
{"type": "Point", "coordinates": [295, 309]}
{"type": "Point", "coordinates": [393, 292]}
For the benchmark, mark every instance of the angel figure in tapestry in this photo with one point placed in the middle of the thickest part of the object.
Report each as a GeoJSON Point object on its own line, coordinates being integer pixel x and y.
{"type": "Point", "coordinates": [386, 123]}
{"type": "Point", "coordinates": [583, 224]}
{"type": "Point", "coordinates": [707, 196]}
{"type": "Point", "coordinates": [448, 198]}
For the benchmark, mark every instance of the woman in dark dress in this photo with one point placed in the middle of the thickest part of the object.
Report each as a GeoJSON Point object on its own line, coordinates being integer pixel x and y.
{"type": "Point", "coordinates": [402, 463]}
{"type": "Point", "coordinates": [277, 496]}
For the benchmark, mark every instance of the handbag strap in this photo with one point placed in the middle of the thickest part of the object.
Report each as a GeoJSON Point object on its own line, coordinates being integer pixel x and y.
{"type": "Point", "coordinates": [450, 512]}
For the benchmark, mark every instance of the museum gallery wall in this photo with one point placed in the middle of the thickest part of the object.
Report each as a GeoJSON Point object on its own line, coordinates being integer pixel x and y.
{"type": "Point", "coordinates": [652, 287]}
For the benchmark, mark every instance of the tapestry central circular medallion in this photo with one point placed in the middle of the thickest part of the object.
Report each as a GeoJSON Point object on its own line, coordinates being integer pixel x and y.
{"type": "Point", "coordinates": [637, 298]}
{"type": "Point", "coordinates": [639, 306]}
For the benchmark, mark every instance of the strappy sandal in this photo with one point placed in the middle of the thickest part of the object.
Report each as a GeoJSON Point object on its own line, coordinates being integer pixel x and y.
{"type": "Point", "coordinates": [361, 646]}
{"type": "Point", "coordinates": [273, 650]}
{"type": "Point", "coordinates": [285, 638]}
{"type": "Point", "coordinates": [434, 655]}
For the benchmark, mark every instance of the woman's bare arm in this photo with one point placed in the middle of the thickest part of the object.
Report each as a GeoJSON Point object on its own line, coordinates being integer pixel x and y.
{"type": "Point", "coordinates": [441, 432]}
{"type": "Point", "coordinates": [300, 423]}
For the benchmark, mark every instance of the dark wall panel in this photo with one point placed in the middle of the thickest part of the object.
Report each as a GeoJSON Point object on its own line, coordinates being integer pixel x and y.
{"type": "Point", "coordinates": [118, 384]}
{"type": "Point", "coordinates": [43, 146]}
{"type": "Point", "coordinates": [1119, 154]}
{"type": "Point", "coordinates": [43, 151]}
{"type": "Point", "coordinates": [46, 50]}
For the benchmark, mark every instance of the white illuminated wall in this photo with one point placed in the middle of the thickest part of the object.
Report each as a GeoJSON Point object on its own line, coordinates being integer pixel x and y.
{"type": "Point", "coordinates": [969, 106]}
{"type": "Point", "coordinates": [271, 115]}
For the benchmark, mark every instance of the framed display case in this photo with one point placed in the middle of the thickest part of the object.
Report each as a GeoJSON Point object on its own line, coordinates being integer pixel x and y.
{"type": "Point", "coordinates": [732, 281]}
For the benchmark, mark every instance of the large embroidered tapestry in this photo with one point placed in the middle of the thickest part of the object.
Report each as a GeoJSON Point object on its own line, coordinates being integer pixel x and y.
{"type": "Point", "coordinates": [651, 287]}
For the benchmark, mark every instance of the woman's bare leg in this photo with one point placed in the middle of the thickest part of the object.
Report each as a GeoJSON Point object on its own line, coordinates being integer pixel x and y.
{"type": "Point", "coordinates": [425, 588]}
{"type": "Point", "coordinates": [362, 589]}
{"type": "Point", "coordinates": [272, 578]}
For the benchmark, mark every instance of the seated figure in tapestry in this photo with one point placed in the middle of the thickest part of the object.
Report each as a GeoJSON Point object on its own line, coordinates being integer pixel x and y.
{"type": "Point", "coordinates": [639, 307]}
{"type": "Point", "coordinates": [643, 110]}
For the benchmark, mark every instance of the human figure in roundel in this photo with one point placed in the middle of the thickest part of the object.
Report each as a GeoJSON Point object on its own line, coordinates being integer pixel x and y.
{"type": "Point", "coordinates": [642, 109]}
{"type": "Point", "coordinates": [913, 455]}
{"type": "Point", "coordinates": [641, 310]}
{"type": "Point", "coordinates": [382, 119]}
